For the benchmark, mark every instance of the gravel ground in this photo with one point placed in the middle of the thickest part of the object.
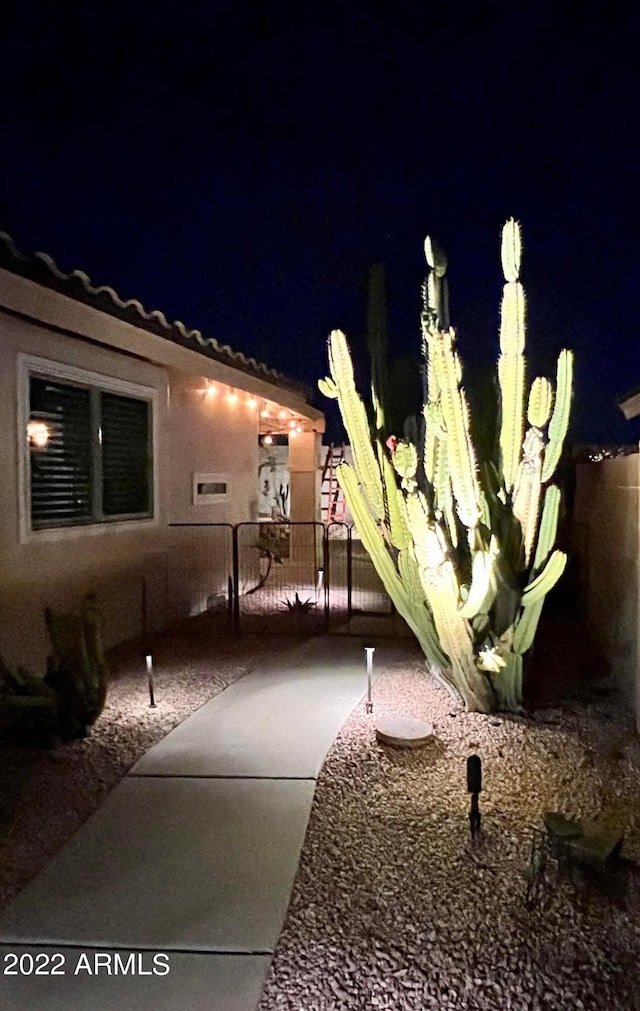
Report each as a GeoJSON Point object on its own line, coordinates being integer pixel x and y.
{"type": "Point", "coordinates": [393, 908]}
{"type": "Point", "coordinates": [46, 795]}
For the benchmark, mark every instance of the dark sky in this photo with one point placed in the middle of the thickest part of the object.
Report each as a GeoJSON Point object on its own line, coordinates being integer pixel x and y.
{"type": "Point", "coordinates": [240, 166]}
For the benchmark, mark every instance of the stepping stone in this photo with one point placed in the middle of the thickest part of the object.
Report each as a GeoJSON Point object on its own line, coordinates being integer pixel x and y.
{"type": "Point", "coordinates": [403, 731]}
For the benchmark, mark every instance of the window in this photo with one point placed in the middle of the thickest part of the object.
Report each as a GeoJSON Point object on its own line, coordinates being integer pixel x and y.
{"type": "Point", "coordinates": [90, 451]}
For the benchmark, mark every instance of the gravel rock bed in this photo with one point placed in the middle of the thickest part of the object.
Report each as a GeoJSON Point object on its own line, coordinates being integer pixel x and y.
{"type": "Point", "coordinates": [394, 908]}
{"type": "Point", "coordinates": [46, 795]}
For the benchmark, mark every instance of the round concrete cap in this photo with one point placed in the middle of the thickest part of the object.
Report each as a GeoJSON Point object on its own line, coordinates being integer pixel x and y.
{"type": "Point", "coordinates": [403, 731]}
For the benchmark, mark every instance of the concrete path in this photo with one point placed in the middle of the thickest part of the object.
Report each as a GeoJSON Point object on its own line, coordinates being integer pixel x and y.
{"type": "Point", "coordinates": [173, 894]}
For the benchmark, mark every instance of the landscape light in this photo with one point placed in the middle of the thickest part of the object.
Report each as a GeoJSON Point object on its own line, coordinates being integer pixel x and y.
{"type": "Point", "coordinates": [152, 701]}
{"type": "Point", "coordinates": [369, 650]}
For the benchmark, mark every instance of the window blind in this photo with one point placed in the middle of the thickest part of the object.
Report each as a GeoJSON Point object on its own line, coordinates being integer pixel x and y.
{"type": "Point", "coordinates": [62, 471]}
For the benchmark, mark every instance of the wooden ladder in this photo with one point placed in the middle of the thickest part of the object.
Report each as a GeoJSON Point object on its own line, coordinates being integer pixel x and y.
{"type": "Point", "coordinates": [332, 501]}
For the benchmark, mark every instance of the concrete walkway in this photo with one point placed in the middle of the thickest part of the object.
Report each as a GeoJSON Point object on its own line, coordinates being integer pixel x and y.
{"type": "Point", "coordinates": [173, 894]}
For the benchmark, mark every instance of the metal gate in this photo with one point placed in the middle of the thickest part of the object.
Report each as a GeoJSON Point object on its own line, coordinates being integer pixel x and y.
{"type": "Point", "coordinates": [355, 589]}
{"type": "Point", "coordinates": [279, 578]}
{"type": "Point", "coordinates": [276, 578]}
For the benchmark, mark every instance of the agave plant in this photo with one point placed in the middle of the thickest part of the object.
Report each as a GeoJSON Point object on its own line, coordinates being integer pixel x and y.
{"type": "Point", "coordinates": [464, 549]}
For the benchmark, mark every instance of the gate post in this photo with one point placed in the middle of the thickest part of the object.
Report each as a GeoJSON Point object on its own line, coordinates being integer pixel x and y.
{"type": "Point", "coordinates": [349, 574]}
{"type": "Point", "coordinates": [325, 563]}
{"type": "Point", "coordinates": [236, 582]}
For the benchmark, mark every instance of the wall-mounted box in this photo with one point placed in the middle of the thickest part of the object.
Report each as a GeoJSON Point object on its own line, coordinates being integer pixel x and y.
{"type": "Point", "coordinates": [210, 488]}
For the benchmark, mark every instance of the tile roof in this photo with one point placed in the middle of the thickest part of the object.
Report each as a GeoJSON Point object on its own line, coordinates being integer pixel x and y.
{"type": "Point", "coordinates": [42, 269]}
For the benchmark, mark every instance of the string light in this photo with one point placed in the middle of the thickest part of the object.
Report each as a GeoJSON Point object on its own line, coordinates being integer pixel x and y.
{"type": "Point", "coordinates": [292, 424]}
{"type": "Point", "coordinates": [210, 390]}
{"type": "Point", "coordinates": [268, 440]}
{"type": "Point", "coordinates": [252, 403]}
{"type": "Point", "coordinates": [232, 396]}
{"type": "Point", "coordinates": [282, 415]}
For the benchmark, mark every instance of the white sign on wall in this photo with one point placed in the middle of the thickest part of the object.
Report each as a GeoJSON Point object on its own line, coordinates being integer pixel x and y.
{"type": "Point", "coordinates": [210, 488]}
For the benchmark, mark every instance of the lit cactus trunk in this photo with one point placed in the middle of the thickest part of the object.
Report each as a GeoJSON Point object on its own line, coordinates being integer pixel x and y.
{"type": "Point", "coordinates": [462, 597]}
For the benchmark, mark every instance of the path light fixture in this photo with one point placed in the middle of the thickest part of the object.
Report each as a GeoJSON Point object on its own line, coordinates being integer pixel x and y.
{"type": "Point", "coordinates": [369, 650]}
{"type": "Point", "coordinates": [152, 701]}
{"type": "Point", "coordinates": [474, 787]}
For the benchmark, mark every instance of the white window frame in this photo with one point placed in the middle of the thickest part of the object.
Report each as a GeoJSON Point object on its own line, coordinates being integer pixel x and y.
{"type": "Point", "coordinates": [32, 365]}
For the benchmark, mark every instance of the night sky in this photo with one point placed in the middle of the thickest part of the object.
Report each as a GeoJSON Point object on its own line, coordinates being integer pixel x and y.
{"type": "Point", "coordinates": [240, 166]}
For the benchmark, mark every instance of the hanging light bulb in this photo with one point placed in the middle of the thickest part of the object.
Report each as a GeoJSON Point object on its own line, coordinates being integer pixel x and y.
{"type": "Point", "coordinates": [268, 440]}
{"type": "Point", "coordinates": [252, 403]}
{"type": "Point", "coordinates": [232, 396]}
{"type": "Point", "coordinates": [298, 428]}
{"type": "Point", "coordinates": [282, 415]}
{"type": "Point", "coordinates": [292, 424]}
{"type": "Point", "coordinates": [211, 390]}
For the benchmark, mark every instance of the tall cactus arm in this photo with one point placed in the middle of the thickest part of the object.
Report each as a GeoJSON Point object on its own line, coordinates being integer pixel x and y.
{"type": "Point", "coordinates": [540, 401]}
{"type": "Point", "coordinates": [416, 615]}
{"type": "Point", "coordinates": [436, 291]}
{"type": "Point", "coordinates": [546, 579]}
{"type": "Point", "coordinates": [398, 530]}
{"type": "Point", "coordinates": [511, 365]}
{"type": "Point", "coordinates": [526, 494]}
{"type": "Point", "coordinates": [461, 454]}
{"type": "Point", "coordinates": [355, 421]}
{"type": "Point", "coordinates": [511, 376]}
{"type": "Point", "coordinates": [408, 569]}
{"type": "Point", "coordinates": [527, 624]}
{"type": "Point", "coordinates": [548, 528]}
{"type": "Point", "coordinates": [511, 249]}
{"type": "Point", "coordinates": [560, 418]}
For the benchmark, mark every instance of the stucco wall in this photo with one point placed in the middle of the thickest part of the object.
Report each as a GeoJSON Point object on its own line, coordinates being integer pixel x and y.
{"type": "Point", "coordinates": [606, 509]}
{"type": "Point", "coordinates": [211, 435]}
{"type": "Point", "coordinates": [173, 572]}
{"type": "Point", "coordinates": [151, 567]}
{"type": "Point", "coordinates": [55, 568]}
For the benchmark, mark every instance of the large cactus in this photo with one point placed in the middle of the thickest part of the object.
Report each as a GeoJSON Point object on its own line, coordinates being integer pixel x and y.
{"type": "Point", "coordinates": [464, 551]}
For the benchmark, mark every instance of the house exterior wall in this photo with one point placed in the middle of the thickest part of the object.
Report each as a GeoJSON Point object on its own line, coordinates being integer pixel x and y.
{"type": "Point", "coordinates": [304, 451]}
{"type": "Point", "coordinates": [606, 509]}
{"type": "Point", "coordinates": [58, 568]}
{"type": "Point", "coordinates": [207, 435]}
{"type": "Point", "coordinates": [148, 572]}
{"type": "Point", "coordinates": [210, 435]}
